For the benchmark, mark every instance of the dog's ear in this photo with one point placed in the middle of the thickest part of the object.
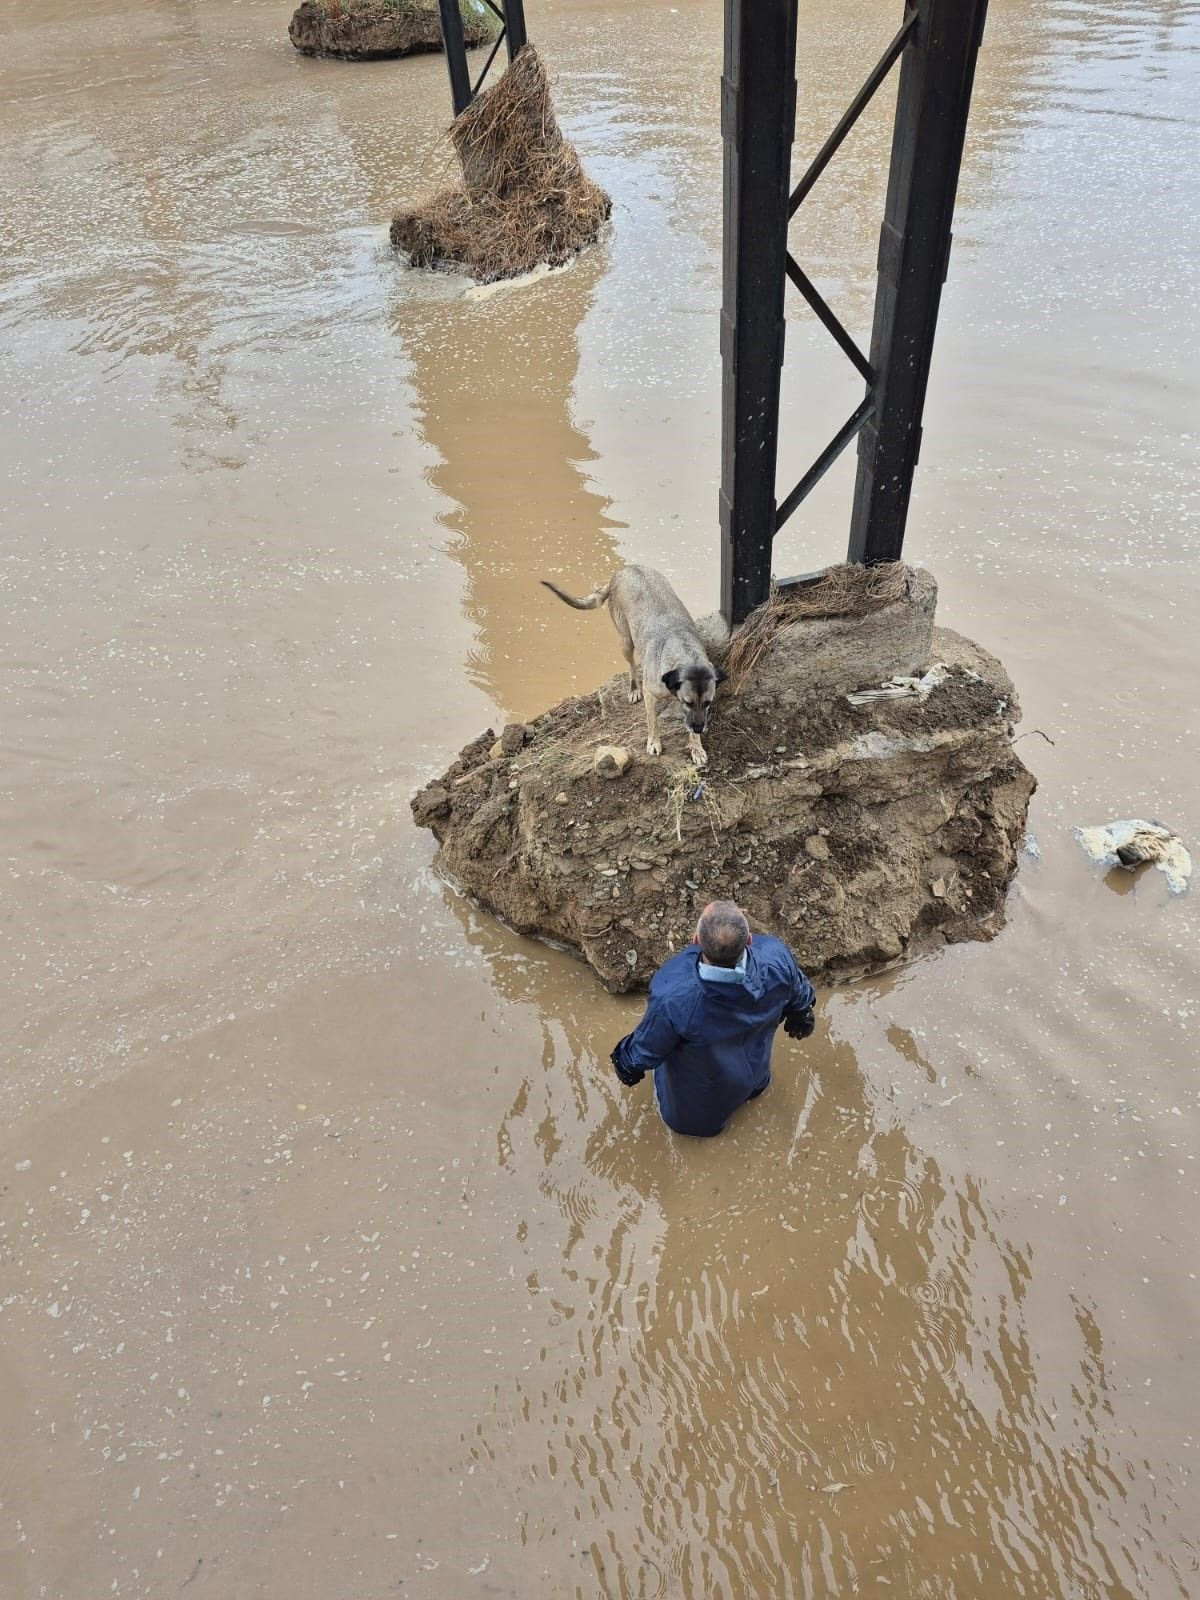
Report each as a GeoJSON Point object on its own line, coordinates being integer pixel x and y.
{"type": "Point", "coordinates": [720, 674]}
{"type": "Point", "coordinates": [673, 679]}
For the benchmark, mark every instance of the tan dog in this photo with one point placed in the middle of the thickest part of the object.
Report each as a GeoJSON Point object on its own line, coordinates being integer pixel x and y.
{"type": "Point", "coordinates": [663, 650]}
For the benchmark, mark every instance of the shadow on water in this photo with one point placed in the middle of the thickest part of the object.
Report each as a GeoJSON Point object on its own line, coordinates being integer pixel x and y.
{"type": "Point", "coordinates": [493, 376]}
{"type": "Point", "coordinates": [813, 1337]}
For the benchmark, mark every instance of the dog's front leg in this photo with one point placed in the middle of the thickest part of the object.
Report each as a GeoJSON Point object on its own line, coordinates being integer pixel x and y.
{"type": "Point", "coordinates": [653, 742]}
{"type": "Point", "coordinates": [696, 751]}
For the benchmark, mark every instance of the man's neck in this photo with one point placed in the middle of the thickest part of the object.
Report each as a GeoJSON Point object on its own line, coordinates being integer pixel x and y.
{"type": "Point", "coordinates": [719, 972]}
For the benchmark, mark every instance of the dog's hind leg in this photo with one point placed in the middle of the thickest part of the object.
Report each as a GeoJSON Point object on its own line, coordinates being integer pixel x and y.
{"type": "Point", "coordinates": [653, 742]}
{"type": "Point", "coordinates": [635, 676]}
{"type": "Point", "coordinates": [630, 654]}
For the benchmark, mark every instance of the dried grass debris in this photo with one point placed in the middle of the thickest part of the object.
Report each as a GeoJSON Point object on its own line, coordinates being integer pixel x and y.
{"type": "Point", "coordinates": [687, 784]}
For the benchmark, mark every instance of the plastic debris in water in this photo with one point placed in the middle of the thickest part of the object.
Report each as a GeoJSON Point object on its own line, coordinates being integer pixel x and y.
{"type": "Point", "coordinates": [1130, 843]}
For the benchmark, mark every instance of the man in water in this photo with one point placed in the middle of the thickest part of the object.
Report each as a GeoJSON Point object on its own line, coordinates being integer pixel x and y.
{"type": "Point", "coordinates": [711, 1019]}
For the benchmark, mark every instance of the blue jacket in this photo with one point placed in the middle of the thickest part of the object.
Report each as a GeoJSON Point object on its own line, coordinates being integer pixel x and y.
{"type": "Point", "coordinates": [709, 1044]}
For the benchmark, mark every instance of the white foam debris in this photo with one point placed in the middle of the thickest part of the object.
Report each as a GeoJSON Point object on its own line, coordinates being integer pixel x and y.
{"type": "Point", "coordinates": [902, 688]}
{"type": "Point", "coordinates": [485, 291]}
{"type": "Point", "coordinates": [1130, 843]}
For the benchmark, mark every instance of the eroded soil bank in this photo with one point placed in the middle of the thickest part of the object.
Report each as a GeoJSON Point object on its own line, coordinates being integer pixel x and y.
{"type": "Point", "coordinates": [860, 833]}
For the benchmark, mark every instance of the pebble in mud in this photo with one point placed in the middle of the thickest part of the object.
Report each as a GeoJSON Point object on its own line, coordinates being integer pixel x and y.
{"type": "Point", "coordinates": [611, 760]}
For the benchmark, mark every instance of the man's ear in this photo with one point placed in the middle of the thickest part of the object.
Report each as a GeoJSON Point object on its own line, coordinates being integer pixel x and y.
{"type": "Point", "coordinates": [673, 679]}
{"type": "Point", "coordinates": [721, 674]}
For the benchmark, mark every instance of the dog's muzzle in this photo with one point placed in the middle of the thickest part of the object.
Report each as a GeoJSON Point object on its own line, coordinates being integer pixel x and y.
{"type": "Point", "coordinates": [697, 724]}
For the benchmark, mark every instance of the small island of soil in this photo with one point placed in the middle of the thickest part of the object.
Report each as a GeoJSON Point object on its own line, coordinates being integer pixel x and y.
{"type": "Point", "coordinates": [372, 30]}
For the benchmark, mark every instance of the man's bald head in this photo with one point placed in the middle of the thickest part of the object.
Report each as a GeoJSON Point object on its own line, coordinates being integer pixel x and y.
{"type": "Point", "coordinates": [722, 933]}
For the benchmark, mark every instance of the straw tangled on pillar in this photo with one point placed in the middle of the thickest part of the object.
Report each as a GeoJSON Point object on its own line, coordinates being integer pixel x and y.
{"type": "Point", "coordinates": [845, 590]}
{"type": "Point", "coordinates": [524, 200]}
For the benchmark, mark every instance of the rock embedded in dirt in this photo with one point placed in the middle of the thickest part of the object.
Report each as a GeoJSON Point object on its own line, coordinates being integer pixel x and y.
{"type": "Point", "coordinates": [611, 760]}
{"type": "Point", "coordinates": [371, 30]}
{"type": "Point", "coordinates": [920, 806]}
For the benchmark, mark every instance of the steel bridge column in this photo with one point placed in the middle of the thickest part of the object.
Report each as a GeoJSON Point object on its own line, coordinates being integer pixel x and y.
{"type": "Point", "coordinates": [937, 71]}
{"type": "Point", "coordinates": [758, 107]}
{"type": "Point", "coordinates": [514, 25]}
{"type": "Point", "coordinates": [455, 46]}
{"type": "Point", "coordinates": [511, 16]}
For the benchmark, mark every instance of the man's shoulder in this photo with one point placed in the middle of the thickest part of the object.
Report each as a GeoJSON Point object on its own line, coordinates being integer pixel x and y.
{"type": "Point", "coordinates": [773, 950]}
{"type": "Point", "coordinates": [676, 976]}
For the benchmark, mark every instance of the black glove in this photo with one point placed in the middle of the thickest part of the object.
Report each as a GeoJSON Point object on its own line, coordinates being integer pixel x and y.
{"type": "Point", "coordinates": [629, 1076]}
{"type": "Point", "coordinates": [799, 1024]}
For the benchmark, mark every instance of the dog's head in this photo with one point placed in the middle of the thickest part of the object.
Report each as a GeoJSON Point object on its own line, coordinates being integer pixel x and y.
{"type": "Point", "coordinates": [694, 688]}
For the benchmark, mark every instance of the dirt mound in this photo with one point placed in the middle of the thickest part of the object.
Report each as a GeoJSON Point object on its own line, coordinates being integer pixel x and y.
{"type": "Point", "coordinates": [524, 201]}
{"type": "Point", "coordinates": [860, 833]}
{"type": "Point", "coordinates": [369, 30]}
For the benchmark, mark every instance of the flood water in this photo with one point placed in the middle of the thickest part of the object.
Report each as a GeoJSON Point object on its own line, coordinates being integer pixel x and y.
{"type": "Point", "coordinates": [334, 1262]}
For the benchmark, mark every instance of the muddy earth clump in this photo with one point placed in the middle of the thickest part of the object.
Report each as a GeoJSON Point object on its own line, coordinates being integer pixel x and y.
{"type": "Point", "coordinates": [525, 200]}
{"type": "Point", "coordinates": [861, 833]}
{"type": "Point", "coordinates": [372, 30]}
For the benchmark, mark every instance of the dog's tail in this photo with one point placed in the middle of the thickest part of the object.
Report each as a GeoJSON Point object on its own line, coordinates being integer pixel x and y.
{"type": "Point", "coordinates": [588, 603]}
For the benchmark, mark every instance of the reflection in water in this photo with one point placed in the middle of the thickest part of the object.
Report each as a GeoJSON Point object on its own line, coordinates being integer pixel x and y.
{"type": "Point", "coordinates": [811, 1336]}
{"type": "Point", "coordinates": [493, 376]}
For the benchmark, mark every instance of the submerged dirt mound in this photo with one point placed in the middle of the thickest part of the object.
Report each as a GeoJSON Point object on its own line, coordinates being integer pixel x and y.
{"type": "Point", "coordinates": [860, 833]}
{"type": "Point", "coordinates": [369, 30]}
{"type": "Point", "coordinates": [525, 200]}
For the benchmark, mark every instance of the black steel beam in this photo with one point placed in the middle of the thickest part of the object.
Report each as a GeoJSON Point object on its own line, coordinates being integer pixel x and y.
{"type": "Point", "coordinates": [937, 72]}
{"type": "Point", "coordinates": [758, 107]}
{"type": "Point", "coordinates": [825, 460]}
{"type": "Point", "coordinates": [828, 320]}
{"type": "Point", "coordinates": [514, 25]}
{"type": "Point", "coordinates": [455, 45]}
{"type": "Point", "coordinates": [512, 32]}
{"type": "Point", "coordinates": [852, 113]}
{"type": "Point", "coordinates": [492, 53]}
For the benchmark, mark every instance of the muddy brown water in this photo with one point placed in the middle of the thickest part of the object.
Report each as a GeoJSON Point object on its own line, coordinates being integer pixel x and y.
{"type": "Point", "coordinates": [333, 1261]}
